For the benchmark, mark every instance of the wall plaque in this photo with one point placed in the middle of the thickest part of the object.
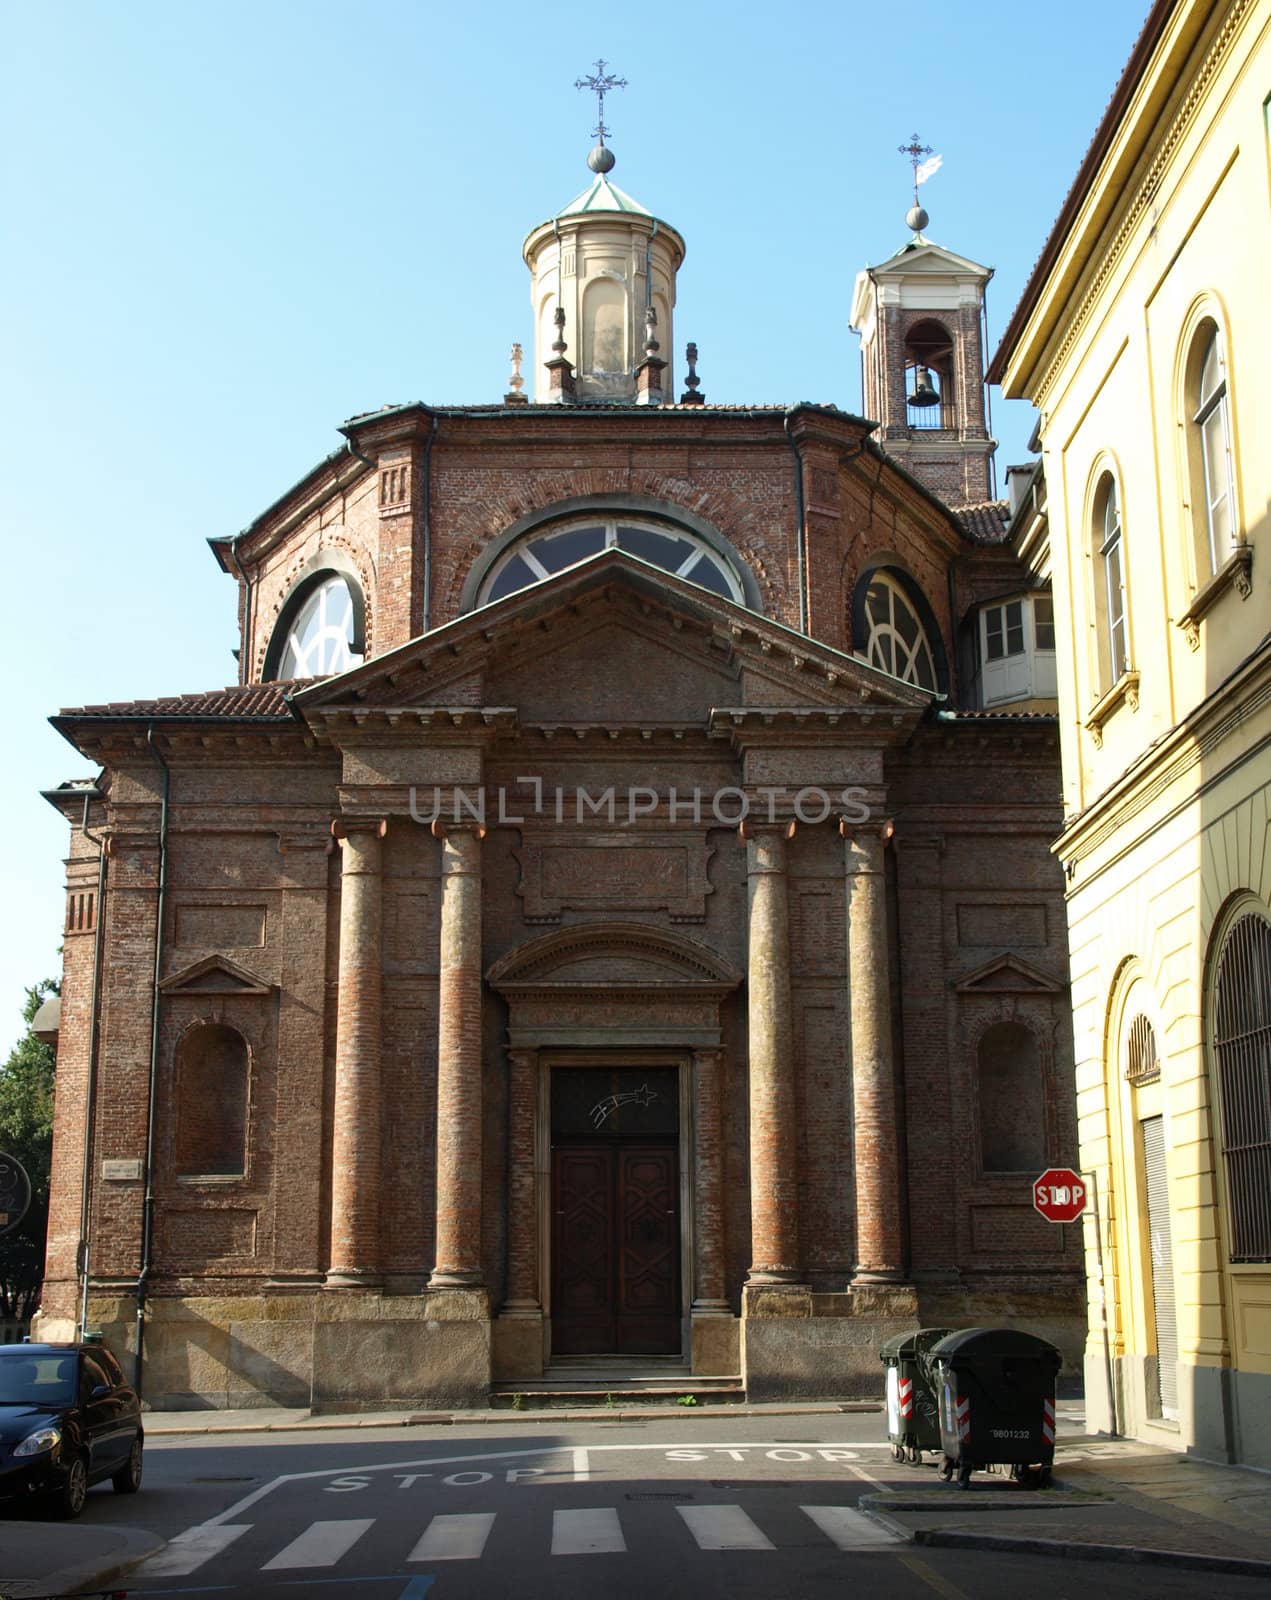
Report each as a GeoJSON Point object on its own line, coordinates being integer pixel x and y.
{"type": "Point", "coordinates": [654, 871]}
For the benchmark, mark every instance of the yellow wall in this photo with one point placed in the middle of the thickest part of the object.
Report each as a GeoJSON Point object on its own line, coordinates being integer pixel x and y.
{"type": "Point", "coordinates": [1167, 797]}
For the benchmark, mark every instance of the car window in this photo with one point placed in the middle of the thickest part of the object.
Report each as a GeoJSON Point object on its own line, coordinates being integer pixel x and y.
{"type": "Point", "coordinates": [113, 1370]}
{"type": "Point", "coordinates": [37, 1380]}
{"type": "Point", "coordinates": [90, 1377]}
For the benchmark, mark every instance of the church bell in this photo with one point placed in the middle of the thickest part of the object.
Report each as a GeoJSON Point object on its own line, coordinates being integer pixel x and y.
{"type": "Point", "coordinates": [924, 390]}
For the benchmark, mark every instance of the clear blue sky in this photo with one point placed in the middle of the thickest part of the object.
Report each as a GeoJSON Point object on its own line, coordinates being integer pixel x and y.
{"type": "Point", "coordinates": [229, 226]}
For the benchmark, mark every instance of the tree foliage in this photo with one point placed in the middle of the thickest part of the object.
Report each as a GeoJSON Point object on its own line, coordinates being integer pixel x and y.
{"type": "Point", "coordinates": [26, 1133]}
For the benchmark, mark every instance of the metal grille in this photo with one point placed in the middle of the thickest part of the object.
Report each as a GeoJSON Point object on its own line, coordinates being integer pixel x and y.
{"type": "Point", "coordinates": [1142, 1059]}
{"type": "Point", "coordinates": [1162, 1248]}
{"type": "Point", "coordinates": [1242, 1050]}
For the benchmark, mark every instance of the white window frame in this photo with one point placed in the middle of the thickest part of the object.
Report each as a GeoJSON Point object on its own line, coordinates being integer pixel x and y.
{"type": "Point", "coordinates": [611, 522]}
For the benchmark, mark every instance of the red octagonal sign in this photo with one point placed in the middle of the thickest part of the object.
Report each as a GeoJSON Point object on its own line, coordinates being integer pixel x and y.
{"type": "Point", "coordinates": [1060, 1194]}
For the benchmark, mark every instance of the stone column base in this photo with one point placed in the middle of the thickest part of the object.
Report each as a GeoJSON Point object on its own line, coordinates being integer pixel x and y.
{"type": "Point", "coordinates": [517, 1343]}
{"type": "Point", "coordinates": [715, 1342]}
{"type": "Point", "coordinates": [430, 1350]}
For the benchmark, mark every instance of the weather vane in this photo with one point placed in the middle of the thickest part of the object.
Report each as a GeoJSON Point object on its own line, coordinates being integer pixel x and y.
{"type": "Point", "coordinates": [600, 83]}
{"type": "Point", "coordinates": [922, 158]}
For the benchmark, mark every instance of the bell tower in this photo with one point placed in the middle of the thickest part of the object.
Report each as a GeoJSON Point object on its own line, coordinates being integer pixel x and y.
{"type": "Point", "coordinates": [603, 289]}
{"type": "Point", "coordinates": [920, 316]}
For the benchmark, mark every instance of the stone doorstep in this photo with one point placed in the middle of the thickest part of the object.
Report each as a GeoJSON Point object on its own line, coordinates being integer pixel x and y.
{"type": "Point", "coordinates": [605, 1397]}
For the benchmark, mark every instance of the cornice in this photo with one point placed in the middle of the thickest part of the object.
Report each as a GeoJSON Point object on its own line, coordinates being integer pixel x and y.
{"type": "Point", "coordinates": [1042, 305]}
{"type": "Point", "coordinates": [1188, 745]}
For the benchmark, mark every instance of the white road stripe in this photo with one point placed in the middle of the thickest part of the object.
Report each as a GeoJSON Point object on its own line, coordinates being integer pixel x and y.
{"type": "Point", "coordinates": [587, 1533]}
{"type": "Point", "coordinates": [723, 1528]}
{"type": "Point", "coordinates": [582, 1466]}
{"type": "Point", "coordinates": [189, 1550]}
{"type": "Point", "coordinates": [454, 1538]}
{"type": "Point", "coordinates": [321, 1544]}
{"type": "Point", "coordinates": [848, 1528]}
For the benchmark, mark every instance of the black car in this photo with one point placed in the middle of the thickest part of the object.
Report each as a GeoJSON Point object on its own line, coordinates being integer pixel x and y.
{"type": "Point", "coordinates": [67, 1419]}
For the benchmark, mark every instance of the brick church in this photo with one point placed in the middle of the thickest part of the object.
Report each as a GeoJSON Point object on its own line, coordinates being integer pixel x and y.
{"type": "Point", "coordinates": [611, 923]}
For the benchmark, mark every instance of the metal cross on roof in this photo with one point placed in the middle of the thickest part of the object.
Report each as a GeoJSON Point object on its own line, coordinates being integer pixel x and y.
{"type": "Point", "coordinates": [600, 83]}
{"type": "Point", "coordinates": [917, 152]}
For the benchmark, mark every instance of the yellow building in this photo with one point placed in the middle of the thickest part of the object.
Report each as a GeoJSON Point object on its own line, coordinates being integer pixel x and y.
{"type": "Point", "coordinates": [1143, 339]}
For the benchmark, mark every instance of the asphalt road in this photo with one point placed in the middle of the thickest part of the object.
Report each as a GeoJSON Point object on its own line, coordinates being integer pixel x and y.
{"type": "Point", "coordinates": [744, 1508]}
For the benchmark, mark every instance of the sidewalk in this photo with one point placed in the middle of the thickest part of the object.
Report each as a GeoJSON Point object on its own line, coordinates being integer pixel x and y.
{"type": "Point", "coordinates": [1112, 1499]}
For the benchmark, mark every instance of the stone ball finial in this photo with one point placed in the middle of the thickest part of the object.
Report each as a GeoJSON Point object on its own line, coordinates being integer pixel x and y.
{"type": "Point", "coordinates": [601, 159]}
{"type": "Point", "coordinates": [916, 218]}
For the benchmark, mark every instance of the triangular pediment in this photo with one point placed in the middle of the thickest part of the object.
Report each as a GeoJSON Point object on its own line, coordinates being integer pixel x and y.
{"type": "Point", "coordinates": [1007, 974]}
{"type": "Point", "coordinates": [215, 975]}
{"type": "Point", "coordinates": [613, 616]}
{"type": "Point", "coordinates": [923, 258]}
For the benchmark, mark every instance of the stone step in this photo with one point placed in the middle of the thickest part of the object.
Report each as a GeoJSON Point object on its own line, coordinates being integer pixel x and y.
{"type": "Point", "coordinates": [538, 1393]}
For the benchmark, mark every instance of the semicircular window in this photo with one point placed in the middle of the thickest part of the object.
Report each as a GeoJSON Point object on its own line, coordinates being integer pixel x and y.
{"type": "Point", "coordinates": [895, 639]}
{"type": "Point", "coordinates": [551, 549]}
{"type": "Point", "coordinates": [319, 632]}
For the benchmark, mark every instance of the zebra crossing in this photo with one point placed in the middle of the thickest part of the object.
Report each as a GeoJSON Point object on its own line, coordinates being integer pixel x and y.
{"type": "Point", "coordinates": [596, 1530]}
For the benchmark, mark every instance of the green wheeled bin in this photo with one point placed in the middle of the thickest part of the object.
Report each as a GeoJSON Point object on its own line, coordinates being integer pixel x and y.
{"type": "Point", "coordinates": [913, 1416]}
{"type": "Point", "coordinates": [997, 1403]}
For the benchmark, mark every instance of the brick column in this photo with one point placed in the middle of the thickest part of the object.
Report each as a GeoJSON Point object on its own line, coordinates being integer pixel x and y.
{"type": "Point", "coordinates": [774, 1199]}
{"type": "Point", "coordinates": [879, 1247]}
{"type": "Point", "coordinates": [355, 1144]}
{"type": "Point", "coordinates": [458, 1257]}
{"type": "Point", "coordinates": [523, 1288]}
{"type": "Point", "coordinates": [708, 1183]}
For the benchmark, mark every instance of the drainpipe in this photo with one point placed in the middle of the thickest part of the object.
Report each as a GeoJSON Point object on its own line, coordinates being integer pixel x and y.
{"type": "Point", "coordinates": [147, 1204]}
{"type": "Point", "coordinates": [803, 527]}
{"type": "Point", "coordinates": [90, 1095]}
{"type": "Point", "coordinates": [426, 472]}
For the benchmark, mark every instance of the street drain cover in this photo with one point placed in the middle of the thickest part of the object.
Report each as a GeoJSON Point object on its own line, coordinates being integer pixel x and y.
{"type": "Point", "coordinates": [653, 1495]}
{"type": "Point", "coordinates": [223, 1480]}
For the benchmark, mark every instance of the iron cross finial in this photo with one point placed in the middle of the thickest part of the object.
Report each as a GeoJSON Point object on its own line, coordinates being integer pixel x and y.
{"type": "Point", "coordinates": [600, 83]}
{"type": "Point", "coordinates": [917, 153]}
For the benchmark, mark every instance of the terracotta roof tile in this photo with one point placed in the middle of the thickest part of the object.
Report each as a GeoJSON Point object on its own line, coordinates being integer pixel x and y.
{"type": "Point", "coordinates": [242, 701]}
{"type": "Point", "coordinates": [987, 522]}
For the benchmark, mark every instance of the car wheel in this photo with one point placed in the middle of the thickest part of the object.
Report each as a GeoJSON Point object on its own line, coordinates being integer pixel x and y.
{"type": "Point", "coordinates": [128, 1479]}
{"type": "Point", "coordinates": [68, 1501]}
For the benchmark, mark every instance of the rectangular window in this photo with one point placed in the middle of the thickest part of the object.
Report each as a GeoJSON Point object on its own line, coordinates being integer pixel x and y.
{"type": "Point", "coordinates": [1044, 622]}
{"type": "Point", "coordinates": [1004, 631]}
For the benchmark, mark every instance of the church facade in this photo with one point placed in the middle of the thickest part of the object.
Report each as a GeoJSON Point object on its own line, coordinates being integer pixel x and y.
{"type": "Point", "coordinates": [611, 918]}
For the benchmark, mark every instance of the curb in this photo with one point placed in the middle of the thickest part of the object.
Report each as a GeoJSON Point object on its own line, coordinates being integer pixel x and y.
{"type": "Point", "coordinates": [1188, 1560]}
{"type": "Point", "coordinates": [460, 1419]}
{"type": "Point", "coordinates": [136, 1546]}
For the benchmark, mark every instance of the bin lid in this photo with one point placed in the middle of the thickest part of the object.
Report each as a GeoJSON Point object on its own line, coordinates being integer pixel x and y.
{"type": "Point", "coordinates": [970, 1345]}
{"type": "Point", "coordinates": [908, 1346]}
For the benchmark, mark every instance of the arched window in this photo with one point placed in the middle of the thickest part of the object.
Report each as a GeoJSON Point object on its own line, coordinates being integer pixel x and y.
{"type": "Point", "coordinates": [320, 630]}
{"type": "Point", "coordinates": [211, 1102]}
{"type": "Point", "coordinates": [1012, 1107]}
{"type": "Point", "coordinates": [551, 548]}
{"type": "Point", "coordinates": [892, 634]}
{"type": "Point", "coordinates": [1242, 1056]}
{"type": "Point", "coordinates": [1110, 582]}
{"type": "Point", "coordinates": [1210, 454]}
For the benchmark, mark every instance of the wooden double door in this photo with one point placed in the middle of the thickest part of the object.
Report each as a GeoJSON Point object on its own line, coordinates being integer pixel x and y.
{"type": "Point", "coordinates": [616, 1248]}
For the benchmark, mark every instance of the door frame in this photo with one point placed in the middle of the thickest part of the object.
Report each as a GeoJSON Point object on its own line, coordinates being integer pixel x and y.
{"type": "Point", "coordinates": [613, 1056]}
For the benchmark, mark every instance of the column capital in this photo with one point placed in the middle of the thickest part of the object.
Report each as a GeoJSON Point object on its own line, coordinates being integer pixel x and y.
{"type": "Point", "coordinates": [353, 827]}
{"type": "Point", "coordinates": [865, 846]}
{"type": "Point", "coordinates": [766, 846]}
{"type": "Point", "coordinates": [460, 850]}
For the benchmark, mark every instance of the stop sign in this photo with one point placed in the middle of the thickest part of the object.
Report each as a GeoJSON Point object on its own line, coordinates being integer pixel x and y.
{"type": "Point", "coordinates": [1060, 1194]}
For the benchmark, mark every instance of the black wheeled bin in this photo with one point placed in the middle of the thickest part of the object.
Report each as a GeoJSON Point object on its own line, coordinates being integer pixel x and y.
{"type": "Point", "coordinates": [913, 1414]}
{"type": "Point", "coordinates": [997, 1402]}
